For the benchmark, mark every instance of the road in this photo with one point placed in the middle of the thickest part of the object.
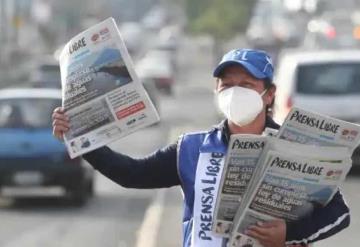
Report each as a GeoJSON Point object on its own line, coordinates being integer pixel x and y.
{"type": "Point", "coordinates": [118, 217]}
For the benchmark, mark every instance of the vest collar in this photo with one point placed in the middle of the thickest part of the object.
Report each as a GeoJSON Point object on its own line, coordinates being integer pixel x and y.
{"type": "Point", "coordinates": [223, 127]}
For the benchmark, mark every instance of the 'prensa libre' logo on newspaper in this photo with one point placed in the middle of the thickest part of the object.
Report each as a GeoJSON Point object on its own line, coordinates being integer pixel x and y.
{"type": "Point", "coordinates": [349, 135]}
{"type": "Point", "coordinates": [101, 36]}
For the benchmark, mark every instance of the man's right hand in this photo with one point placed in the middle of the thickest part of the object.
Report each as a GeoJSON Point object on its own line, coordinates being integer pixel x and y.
{"type": "Point", "coordinates": [60, 123]}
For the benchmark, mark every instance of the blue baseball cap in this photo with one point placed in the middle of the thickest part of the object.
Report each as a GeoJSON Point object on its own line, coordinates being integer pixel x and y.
{"type": "Point", "coordinates": [257, 62]}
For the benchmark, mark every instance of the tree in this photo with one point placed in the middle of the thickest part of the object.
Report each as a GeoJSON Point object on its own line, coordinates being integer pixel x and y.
{"type": "Point", "coordinates": [221, 19]}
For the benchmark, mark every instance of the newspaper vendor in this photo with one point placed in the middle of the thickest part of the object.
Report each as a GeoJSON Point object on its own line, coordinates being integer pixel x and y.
{"type": "Point", "coordinates": [245, 93]}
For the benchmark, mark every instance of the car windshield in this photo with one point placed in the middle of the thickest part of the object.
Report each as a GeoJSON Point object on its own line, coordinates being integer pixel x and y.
{"type": "Point", "coordinates": [329, 79]}
{"type": "Point", "coordinates": [51, 70]}
{"type": "Point", "coordinates": [27, 113]}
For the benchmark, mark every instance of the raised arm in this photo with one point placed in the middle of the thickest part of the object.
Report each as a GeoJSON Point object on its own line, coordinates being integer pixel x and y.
{"type": "Point", "coordinates": [157, 170]}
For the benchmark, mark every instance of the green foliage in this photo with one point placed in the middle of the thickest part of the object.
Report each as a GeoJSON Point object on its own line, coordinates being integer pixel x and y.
{"type": "Point", "coordinates": [222, 19]}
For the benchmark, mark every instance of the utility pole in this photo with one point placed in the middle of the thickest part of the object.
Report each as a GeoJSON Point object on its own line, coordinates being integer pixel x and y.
{"type": "Point", "coordinates": [3, 31]}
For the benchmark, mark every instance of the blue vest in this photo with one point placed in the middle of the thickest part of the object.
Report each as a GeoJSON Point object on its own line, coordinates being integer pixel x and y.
{"type": "Point", "coordinates": [189, 148]}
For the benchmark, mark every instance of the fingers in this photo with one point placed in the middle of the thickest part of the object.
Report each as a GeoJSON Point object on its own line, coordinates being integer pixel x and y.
{"type": "Point", "coordinates": [60, 123]}
{"type": "Point", "coordinates": [272, 223]}
{"type": "Point", "coordinates": [59, 128]}
{"type": "Point", "coordinates": [59, 109]}
{"type": "Point", "coordinates": [251, 232]}
{"type": "Point", "coordinates": [258, 230]}
{"type": "Point", "coordinates": [264, 238]}
{"type": "Point", "coordinates": [59, 113]}
{"type": "Point", "coordinates": [271, 233]}
{"type": "Point", "coordinates": [58, 134]}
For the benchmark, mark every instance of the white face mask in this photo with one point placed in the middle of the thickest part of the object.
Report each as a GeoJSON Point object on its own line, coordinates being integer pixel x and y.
{"type": "Point", "coordinates": [240, 105]}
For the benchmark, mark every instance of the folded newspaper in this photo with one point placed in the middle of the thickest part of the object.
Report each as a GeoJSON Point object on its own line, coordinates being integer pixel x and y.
{"type": "Point", "coordinates": [289, 185]}
{"type": "Point", "coordinates": [311, 128]}
{"type": "Point", "coordinates": [242, 156]}
{"type": "Point", "coordinates": [284, 174]}
{"type": "Point", "coordinates": [102, 95]}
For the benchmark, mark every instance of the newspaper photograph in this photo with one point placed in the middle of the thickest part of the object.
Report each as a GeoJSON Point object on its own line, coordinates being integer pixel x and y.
{"type": "Point", "coordinates": [270, 132]}
{"type": "Point", "coordinates": [290, 187]}
{"type": "Point", "coordinates": [102, 95]}
{"type": "Point", "coordinates": [243, 154]}
{"type": "Point", "coordinates": [315, 129]}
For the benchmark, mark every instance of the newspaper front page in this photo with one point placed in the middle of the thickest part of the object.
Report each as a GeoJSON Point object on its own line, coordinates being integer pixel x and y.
{"type": "Point", "coordinates": [290, 187]}
{"type": "Point", "coordinates": [310, 128]}
{"type": "Point", "coordinates": [242, 156]}
{"type": "Point", "coordinates": [294, 143]}
{"type": "Point", "coordinates": [102, 95]}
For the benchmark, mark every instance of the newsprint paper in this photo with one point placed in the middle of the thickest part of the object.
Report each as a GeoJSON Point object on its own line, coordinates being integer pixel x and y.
{"type": "Point", "coordinates": [102, 95]}
{"type": "Point", "coordinates": [282, 174]}
{"type": "Point", "coordinates": [242, 156]}
{"type": "Point", "coordinates": [290, 185]}
{"type": "Point", "coordinates": [310, 128]}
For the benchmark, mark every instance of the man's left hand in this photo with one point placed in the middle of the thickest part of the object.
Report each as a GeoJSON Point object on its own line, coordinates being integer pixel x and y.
{"type": "Point", "coordinates": [269, 234]}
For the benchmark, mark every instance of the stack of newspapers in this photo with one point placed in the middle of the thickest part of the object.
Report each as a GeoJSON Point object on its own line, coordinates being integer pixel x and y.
{"type": "Point", "coordinates": [283, 174]}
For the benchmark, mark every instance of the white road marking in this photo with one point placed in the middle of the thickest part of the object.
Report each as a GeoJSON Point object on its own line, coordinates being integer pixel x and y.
{"type": "Point", "coordinates": [149, 230]}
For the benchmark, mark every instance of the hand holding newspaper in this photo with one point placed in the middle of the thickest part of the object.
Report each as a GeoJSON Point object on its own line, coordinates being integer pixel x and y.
{"type": "Point", "coordinates": [289, 185]}
{"type": "Point", "coordinates": [296, 170]}
{"type": "Point", "coordinates": [102, 95]}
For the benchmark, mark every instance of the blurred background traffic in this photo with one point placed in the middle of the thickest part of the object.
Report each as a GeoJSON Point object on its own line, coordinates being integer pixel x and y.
{"type": "Point", "coordinates": [47, 199]}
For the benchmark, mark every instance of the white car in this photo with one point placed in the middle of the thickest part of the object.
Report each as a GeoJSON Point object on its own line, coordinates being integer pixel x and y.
{"type": "Point", "coordinates": [132, 33]}
{"type": "Point", "coordinates": [46, 73]}
{"type": "Point", "coordinates": [326, 82]}
{"type": "Point", "coordinates": [157, 65]}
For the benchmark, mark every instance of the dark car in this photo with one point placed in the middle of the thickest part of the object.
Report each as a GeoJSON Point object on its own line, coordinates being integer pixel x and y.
{"type": "Point", "coordinates": [46, 73]}
{"type": "Point", "coordinates": [30, 157]}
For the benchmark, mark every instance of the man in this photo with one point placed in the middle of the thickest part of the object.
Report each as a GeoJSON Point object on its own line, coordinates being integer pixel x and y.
{"type": "Point", "coordinates": [244, 92]}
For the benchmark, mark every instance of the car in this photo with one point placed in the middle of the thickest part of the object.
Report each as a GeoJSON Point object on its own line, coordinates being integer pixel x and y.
{"type": "Point", "coordinates": [133, 35]}
{"type": "Point", "coordinates": [30, 157]}
{"type": "Point", "coordinates": [333, 30]}
{"type": "Point", "coordinates": [155, 18]}
{"type": "Point", "coordinates": [323, 81]}
{"type": "Point", "coordinates": [152, 91]}
{"type": "Point", "coordinates": [157, 65]}
{"type": "Point", "coordinates": [271, 26]}
{"type": "Point", "coordinates": [169, 38]}
{"type": "Point", "coordinates": [46, 73]}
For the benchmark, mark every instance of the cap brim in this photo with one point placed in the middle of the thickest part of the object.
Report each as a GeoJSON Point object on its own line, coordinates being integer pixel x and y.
{"type": "Point", "coordinates": [249, 67]}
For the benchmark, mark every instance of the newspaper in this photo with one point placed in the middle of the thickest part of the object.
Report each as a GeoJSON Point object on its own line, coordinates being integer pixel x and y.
{"type": "Point", "coordinates": [289, 185]}
{"type": "Point", "coordinates": [292, 177]}
{"type": "Point", "coordinates": [314, 129]}
{"type": "Point", "coordinates": [270, 132]}
{"type": "Point", "coordinates": [102, 95]}
{"type": "Point", "coordinates": [243, 153]}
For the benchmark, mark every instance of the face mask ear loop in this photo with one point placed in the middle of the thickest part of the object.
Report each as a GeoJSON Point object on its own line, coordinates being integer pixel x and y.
{"type": "Point", "coordinates": [264, 92]}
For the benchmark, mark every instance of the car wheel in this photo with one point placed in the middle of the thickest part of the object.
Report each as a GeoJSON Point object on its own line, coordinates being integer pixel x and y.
{"type": "Point", "coordinates": [78, 195]}
{"type": "Point", "coordinates": [91, 188]}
